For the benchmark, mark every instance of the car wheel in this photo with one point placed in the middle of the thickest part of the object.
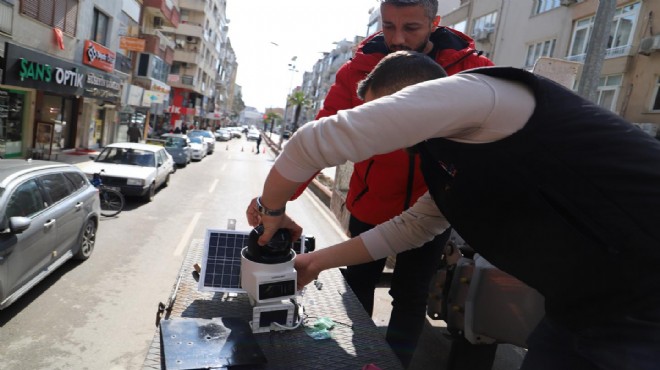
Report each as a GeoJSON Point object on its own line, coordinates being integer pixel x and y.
{"type": "Point", "coordinates": [87, 240]}
{"type": "Point", "coordinates": [150, 193]}
{"type": "Point", "coordinates": [174, 168]}
{"type": "Point", "coordinates": [167, 181]}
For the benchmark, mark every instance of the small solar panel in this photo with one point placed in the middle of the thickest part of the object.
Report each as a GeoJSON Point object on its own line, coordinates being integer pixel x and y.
{"type": "Point", "coordinates": [221, 265]}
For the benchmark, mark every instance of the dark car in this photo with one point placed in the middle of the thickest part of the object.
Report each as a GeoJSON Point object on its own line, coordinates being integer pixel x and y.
{"type": "Point", "coordinates": [49, 213]}
{"type": "Point", "coordinates": [178, 145]}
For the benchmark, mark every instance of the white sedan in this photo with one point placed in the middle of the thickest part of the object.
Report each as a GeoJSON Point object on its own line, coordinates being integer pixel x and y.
{"type": "Point", "coordinates": [135, 169]}
{"type": "Point", "coordinates": [199, 147]}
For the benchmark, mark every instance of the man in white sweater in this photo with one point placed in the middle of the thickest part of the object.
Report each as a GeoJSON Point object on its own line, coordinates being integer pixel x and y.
{"type": "Point", "coordinates": [549, 187]}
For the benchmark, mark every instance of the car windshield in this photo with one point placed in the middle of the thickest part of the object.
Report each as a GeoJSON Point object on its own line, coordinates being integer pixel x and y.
{"type": "Point", "coordinates": [196, 139]}
{"type": "Point", "coordinates": [201, 133]}
{"type": "Point", "coordinates": [134, 157]}
{"type": "Point", "coordinates": [174, 142]}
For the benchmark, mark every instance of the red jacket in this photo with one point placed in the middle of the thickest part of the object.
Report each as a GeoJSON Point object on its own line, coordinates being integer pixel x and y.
{"type": "Point", "coordinates": [380, 185]}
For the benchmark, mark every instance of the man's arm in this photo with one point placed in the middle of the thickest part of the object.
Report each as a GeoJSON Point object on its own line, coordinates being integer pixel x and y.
{"type": "Point", "coordinates": [340, 96]}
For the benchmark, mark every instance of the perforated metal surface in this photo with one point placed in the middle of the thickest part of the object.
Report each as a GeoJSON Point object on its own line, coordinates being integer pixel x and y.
{"type": "Point", "coordinates": [355, 339]}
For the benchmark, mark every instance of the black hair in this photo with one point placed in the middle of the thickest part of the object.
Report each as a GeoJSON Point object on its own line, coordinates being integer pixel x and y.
{"type": "Point", "coordinates": [398, 70]}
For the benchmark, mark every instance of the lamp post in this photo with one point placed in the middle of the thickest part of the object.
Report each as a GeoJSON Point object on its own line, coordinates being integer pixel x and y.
{"type": "Point", "coordinates": [293, 70]}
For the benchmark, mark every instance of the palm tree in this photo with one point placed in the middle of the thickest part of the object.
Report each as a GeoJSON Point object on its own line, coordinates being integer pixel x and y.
{"type": "Point", "coordinates": [271, 117]}
{"type": "Point", "coordinates": [299, 100]}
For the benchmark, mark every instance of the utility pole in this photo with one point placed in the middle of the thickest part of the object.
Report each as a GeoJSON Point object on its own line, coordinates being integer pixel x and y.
{"type": "Point", "coordinates": [596, 48]}
{"type": "Point", "coordinates": [293, 70]}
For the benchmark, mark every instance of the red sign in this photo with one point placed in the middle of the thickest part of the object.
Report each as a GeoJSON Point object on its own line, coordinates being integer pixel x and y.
{"type": "Point", "coordinates": [98, 56]}
{"type": "Point", "coordinates": [174, 109]}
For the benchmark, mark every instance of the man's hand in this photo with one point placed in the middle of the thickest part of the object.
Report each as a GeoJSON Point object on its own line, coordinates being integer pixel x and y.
{"type": "Point", "coordinates": [306, 272]}
{"type": "Point", "coordinates": [271, 223]}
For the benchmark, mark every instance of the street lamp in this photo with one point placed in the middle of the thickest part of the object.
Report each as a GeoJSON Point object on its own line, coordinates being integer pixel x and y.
{"type": "Point", "coordinates": [293, 70]}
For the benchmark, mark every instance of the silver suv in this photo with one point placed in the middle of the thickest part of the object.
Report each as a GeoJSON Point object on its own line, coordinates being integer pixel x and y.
{"type": "Point", "coordinates": [49, 214]}
{"type": "Point", "coordinates": [208, 136]}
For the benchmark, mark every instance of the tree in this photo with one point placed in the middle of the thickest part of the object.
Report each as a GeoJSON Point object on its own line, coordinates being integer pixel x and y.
{"type": "Point", "coordinates": [299, 100]}
{"type": "Point", "coordinates": [271, 117]}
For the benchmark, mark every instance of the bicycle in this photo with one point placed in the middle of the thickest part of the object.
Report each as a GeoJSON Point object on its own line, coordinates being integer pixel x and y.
{"type": "Point", "coordinates": [112, 200]}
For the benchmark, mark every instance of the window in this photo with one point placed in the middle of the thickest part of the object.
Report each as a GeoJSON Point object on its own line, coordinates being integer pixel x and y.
{"type": "Point", "coordinates": [655, 104]}
{"type": "Point", "coordinates": [484, 25]}
{"type": "Point", "coordinates": [77, 180]}
{"type": "Point", "coordinates": [621, 33]}
{"type": "Point", "coordinates": [26, 201]}
{"type": "Point", "coordinates": [6, 16]}
{"type": "Point", "coordinates": [100, 27]}
{"type": "Point", "coordinates": [545, 5]}
{"type": "Point", "coordinates": [62, 14]}
{"type": "Point", "coordinates": [541, 49]}
{"type": "Point", "coordinates": [460, 26]}
{"type": "Point", "coordinates": [608, 91]}
{"type": "Point", "coordinates": [56, 186]}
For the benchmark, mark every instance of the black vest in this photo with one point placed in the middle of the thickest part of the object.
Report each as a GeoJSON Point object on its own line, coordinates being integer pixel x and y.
{"type": "Point", "coordinates": [570, 204]}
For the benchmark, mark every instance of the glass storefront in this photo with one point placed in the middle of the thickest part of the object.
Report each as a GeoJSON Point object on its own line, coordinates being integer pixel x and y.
{"type": "Point", "coordinates": [12, 110]}
{"type": "Point", "coordinates": [58, 111]}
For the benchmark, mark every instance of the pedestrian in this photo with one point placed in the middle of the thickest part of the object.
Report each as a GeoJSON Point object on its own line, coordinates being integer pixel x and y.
{"type": "Point", "coordinates": [177, 130]}
{"type": "Point", "coordinates": [184, 128]}
{"type": "Point", "coordinates": [552, 188]}
{"type": "Point", "coordinates": [383, 186]}
{"type": "Point", "coordinates": [134, 134]}
{"type": "Point", "coordinates": [258, 143]}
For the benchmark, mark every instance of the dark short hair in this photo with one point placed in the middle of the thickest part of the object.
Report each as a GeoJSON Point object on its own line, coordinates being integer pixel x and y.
{"type": "Point", "coordinates": [430, 6]}
{"type": "Point", "coordinates": [398, 70]}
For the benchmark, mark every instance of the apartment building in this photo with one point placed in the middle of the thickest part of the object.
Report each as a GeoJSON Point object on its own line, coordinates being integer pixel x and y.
{"type": "Point", "coordinates": [630, 77]}
{"type": "Point", "coordinates": [59, 87]}
{"type": "Point", "coordinates": [199, 54]}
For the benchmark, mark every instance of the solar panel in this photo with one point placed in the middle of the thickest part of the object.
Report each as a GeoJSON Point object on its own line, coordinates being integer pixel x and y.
{"type": "Point", "coordinates": [221, 264]}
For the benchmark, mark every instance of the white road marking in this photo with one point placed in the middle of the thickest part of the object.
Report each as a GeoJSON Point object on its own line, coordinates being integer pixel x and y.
{"type": "Point", "coordinates": [213, 185]}
{"type": "Point", "coordinates": [185, 238]}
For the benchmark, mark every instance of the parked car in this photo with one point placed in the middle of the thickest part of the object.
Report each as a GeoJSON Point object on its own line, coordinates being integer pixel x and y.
{"type": "Point", "coordinates": [253, 134]}
{"type": "Point", "coordinates": [136, 169]}
{"type": "Point", "coordinates": [223, 135]}
{"type": "Point", "coordinates": [199, 148]}
{"type": "Point", "coordinates": [236, 132]}
{"type": "Point", "coordinates": [178, 145]}
{"type": "Point", "coordinates": [208, 137]}
{"type": "Point", "coordinates": [49, 213]}
{"type": "Point", "coordinates": [286, 134]}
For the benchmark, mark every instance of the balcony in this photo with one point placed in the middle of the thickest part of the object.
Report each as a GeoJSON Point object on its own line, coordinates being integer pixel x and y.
{"type": "Point", "coordinates": [187, 82]}
{"type": "Point", "coordinates": [197, 5]}
{"type": "Point", "coordinates": [164, 9]}
{"type": "Point", "coordinates": [154, 46]}
{"type": "Point", "coordinates": [184, 56]}
{"type": "Point", "coordinates": [610, 53]}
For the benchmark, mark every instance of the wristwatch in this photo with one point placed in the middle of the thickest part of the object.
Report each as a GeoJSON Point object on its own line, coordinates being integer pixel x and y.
{"type": "Point", "coordinates": [267, 211]}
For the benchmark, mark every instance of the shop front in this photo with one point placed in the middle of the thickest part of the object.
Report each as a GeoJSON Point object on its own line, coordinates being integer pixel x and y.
{"type": "Point", "coordinates": [72, 103]}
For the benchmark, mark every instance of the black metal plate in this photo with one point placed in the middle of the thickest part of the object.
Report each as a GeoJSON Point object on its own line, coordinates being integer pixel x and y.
{"type": "Point", "coordinates": [191, 343]}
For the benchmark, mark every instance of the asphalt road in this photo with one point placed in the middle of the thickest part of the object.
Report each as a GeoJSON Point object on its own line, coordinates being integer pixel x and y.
{"type": "Point", "coordinates": [100, 314]}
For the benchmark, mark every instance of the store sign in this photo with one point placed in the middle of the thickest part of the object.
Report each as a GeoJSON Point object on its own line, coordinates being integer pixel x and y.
{"type": "Point", "coordinates": [132, 43]}
{"type": "Point", "coordinates": [150, 97]}
{"type": "Point", "coordinates": [30, 69]}
{"type": "Point", "coordinates": [98, 56]}
{"type": "Point", "coordinates": [174, 109]}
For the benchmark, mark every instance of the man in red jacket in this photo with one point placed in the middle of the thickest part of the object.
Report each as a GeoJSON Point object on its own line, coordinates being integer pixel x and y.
{"type": "Point", "coordinates": [385, 185]}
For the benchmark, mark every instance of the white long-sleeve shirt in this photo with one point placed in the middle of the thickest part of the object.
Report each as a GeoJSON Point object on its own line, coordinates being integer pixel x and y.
{"type": "Point", "coordinates": [467, 108]}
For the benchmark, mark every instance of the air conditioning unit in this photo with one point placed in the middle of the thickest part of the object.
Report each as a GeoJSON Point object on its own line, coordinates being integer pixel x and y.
{"type": "Point", "coordinates": [158, 22]}
{"type": "Point", "coordinates": [649, 45]}
{"type": "Point", "coordinates": [568, 2]}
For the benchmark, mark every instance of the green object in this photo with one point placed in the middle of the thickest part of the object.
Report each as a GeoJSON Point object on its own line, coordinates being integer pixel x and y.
{"type": "Point", "coordinates": [320, 329]}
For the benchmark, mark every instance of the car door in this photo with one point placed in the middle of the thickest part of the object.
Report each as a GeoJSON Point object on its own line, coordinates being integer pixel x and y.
{"type": "Point", "coordinates": [164, 168]}
{"type": "Point", "coordinates": [65, 209]}
{"type": "Point", "coordinates": [24, 255]}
